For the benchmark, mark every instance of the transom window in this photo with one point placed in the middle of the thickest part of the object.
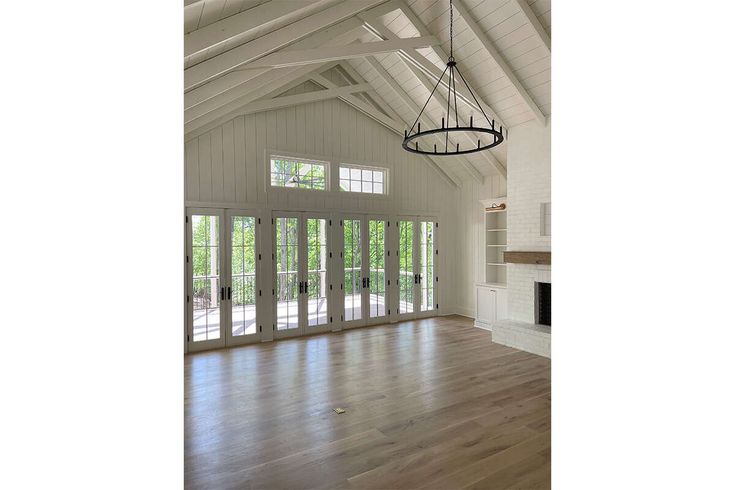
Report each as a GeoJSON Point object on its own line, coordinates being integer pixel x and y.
{"type": "Point", "coordinates": [298, 172]}
{"type": "Point", "coordinates": [354, 178]}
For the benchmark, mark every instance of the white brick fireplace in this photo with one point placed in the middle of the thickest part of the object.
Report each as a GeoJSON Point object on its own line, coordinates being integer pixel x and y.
{"type": "Point", "coordinates": [529, 229]}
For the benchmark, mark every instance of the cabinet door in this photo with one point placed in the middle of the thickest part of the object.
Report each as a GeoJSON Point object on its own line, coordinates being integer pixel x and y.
{"type": "Point", "coordinates": [485, 306]}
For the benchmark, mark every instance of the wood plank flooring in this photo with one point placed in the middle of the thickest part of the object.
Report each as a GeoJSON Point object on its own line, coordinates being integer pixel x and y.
{"type": "Point", "coordinates": [429, 403]}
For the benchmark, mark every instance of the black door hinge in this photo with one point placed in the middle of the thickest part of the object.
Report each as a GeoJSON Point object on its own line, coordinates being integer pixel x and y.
{"type": "Point", "coordinates": [259, 257]}
{"type": "Point", "coordinates": [437, 278]}
{"type": "Point", "coordinates": [187, 259]}
{"type": "Point", "coordinates": [388, 282]}
{"type": "Point", "coordinates": [274, 328]}
{"type": "Point", "coordinates": [341, 318]}
{"type": "Point", "coordinates": [340, 223]}
{"type": "Point", "coordinates": [330, 319]}
{"type": "Point", "coordinates": [261, 328]}
{"type": "Point", "coordinates": [340, 286]}
{"type": "Point", "coordinates": [330, 255]}
{"type": "Point", "coordinates": [330, 222]}
{"type": "Point", "coordinates": [437, 306]}
{"type": "Point", "coordinates": [258, 220]}
{"type": "Point", "coordinates": [273, 222]}
{"type": "Point", "coordinates": [330, 287]}
{"type": "Point", "coordinates": [187, 298]}
{"type": "Point", "coordinates": [260, 292]}
{"type": "Point", "coordinates": [187, 220]}
{"type": "Point", "coordinates": [187, 338]}
{"type": "Point", "coordinates": [437, 251]}
{"type": "Point", "coordinates": [388, 253]}
{"type": "Point", "coordinates": [389, 311]}
{"type": "Point", "coordinates": [273, 292]}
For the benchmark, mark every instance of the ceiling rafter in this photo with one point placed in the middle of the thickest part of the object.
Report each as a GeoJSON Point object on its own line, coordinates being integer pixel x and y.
{"type": "Point", "coordinates": [268, 43]}
{"type": "Point", "coordinates": [269, 83]}
{"type": "Point", "coordinates": [338, 34]}
{"type": "Point", "coordinates": [394, 85]}
{"type": "Point", "coordinates": [499, 59]}
{"type": "Point", "coordinates": [535, 23]}
{"type": "Point", "coordinates": [322, 54]}
{"type": "Point", "coordinates": [259, 17]}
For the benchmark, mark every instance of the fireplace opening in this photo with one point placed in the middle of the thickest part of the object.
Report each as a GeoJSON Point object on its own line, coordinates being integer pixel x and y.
{"type": "Point", "coordinates": [543, 303]}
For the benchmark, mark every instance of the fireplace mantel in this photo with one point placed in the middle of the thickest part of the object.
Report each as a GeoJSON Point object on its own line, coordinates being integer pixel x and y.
{"type": "Point", "coordinates": [541, 258]}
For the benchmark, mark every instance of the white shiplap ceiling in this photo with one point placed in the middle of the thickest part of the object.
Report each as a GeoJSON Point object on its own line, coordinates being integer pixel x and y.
{"type": "Point", "coordinates": [502, 48]}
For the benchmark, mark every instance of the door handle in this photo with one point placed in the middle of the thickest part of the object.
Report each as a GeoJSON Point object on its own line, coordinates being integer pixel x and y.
{"type": "Point", "coordinates": [222, 293]}
{"type": "Point", "coordinates": [415, 278]}
{"type": "Point", "coordinates": [301, 287]}
{"type": "Point", "coordinates": [229, 292]}
{"type": "Point", "coordinates": [306, 287]}
{"type": "Point", "coordinates": [363, 282]}
{"type": "Point", "coordinates": [368, 281]}
{"type": "Point", "coordinates": [419, 278]}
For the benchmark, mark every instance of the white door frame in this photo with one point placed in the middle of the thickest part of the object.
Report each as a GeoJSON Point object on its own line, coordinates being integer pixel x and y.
{"type": "Point", "coordinates": [232, 340]}
{"type": "Point", "coordinates": [366, 260]}
{"type": "Point", "coordinates": [221, 341]}
{"type": "Point", "coordinates": [326, 327]}
{"type": "Point", "coordinates": [362, 321]}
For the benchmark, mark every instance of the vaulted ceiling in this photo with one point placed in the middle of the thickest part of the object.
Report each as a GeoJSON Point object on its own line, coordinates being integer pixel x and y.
{"type": "Point", "coordinates": [383, 57]}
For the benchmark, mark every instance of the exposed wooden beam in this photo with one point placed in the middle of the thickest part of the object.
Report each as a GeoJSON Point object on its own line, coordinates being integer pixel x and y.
{"type": "Point", "coordinates": [338, 34]}
{"type": "Point", "coordinates": [393, 125]}
{"type": "Point", "coordinates": [499, 59]}
{"type": "Point", "coordinates": [395, 86]}
{"type": "Point", "coordinates": [533, 20]}
{"type": "Point", "coordinates": [271, 82]}
{"type": "Point", "coordinates": [229, 60]}
{"type": "Point", "coordinates": [259, 17]}
{"type": "Point", "coordinates": [282, 59]}
{"type": "Point", "coordinates": [289, 100]}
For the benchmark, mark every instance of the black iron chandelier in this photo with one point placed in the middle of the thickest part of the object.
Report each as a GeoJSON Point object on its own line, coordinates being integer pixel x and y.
{"type": "Point", "coordinates": [492, 136]}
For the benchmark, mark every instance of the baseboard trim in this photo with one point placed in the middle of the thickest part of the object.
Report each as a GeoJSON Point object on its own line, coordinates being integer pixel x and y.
{"type": "Point", "coordinates": [483, 325]}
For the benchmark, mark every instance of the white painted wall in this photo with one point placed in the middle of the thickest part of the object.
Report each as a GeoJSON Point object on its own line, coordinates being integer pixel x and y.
{"type": "Point", "coordinates": [529, 185]}
{"type": "Point", "coordinates": [470, 240]}
{"type": "Point", "coordinates": [226, 167]}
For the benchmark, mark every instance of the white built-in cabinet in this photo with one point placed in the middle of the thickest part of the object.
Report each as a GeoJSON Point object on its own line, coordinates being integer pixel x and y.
{"type": "Point", "coordinates": [492, 305]}
{"type": "Point", "coordinates": [491, 296]}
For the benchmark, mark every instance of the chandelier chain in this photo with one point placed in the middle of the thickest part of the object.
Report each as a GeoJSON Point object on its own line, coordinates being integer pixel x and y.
{"type": "Point", "coordinates": [451, 31]}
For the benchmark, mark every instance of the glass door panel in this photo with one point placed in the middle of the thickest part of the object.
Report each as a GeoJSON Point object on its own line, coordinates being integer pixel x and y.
{"type": "Point", "coordinates": [352, 255]}
{"type": "Point", "coordinates": [377, 281]}
{"type": "Point", "coordinates": [205, 278]}
{"type": "Point", "coordinates": [243, 264]}
{"type": "Point", "coordinates": [426, 265]}
{"type": "Point", "coordinates": [316, 286]}
{"type": "Point", "coordinates": [287, 273]}
{"type": "Point", "coordinates": [406, 278]}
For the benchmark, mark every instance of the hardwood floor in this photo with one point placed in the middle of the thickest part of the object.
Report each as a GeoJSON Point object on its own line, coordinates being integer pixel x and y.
{"type": "Point", "coordinates": [429, 404]}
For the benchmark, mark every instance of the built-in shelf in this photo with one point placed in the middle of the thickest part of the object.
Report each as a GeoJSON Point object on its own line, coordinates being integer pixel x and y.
{"type": "Point", "coordinates": [495, 239]}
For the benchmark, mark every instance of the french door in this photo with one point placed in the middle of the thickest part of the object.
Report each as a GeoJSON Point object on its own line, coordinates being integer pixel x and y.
{"type": "Point", "coordinates": [222, 261]}
{"type": "Point", "coordinates": [364, 285]}
{"type": "Point", "coordinates": [301, 258]}
{"type": "Point", "coordinates": [417, 279]}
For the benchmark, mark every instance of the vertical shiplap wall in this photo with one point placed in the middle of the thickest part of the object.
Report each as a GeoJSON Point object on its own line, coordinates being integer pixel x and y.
{"type": "Point", "coordinates": [227, 167]}
{"type": "Point", "coordinates": [470, 240]}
